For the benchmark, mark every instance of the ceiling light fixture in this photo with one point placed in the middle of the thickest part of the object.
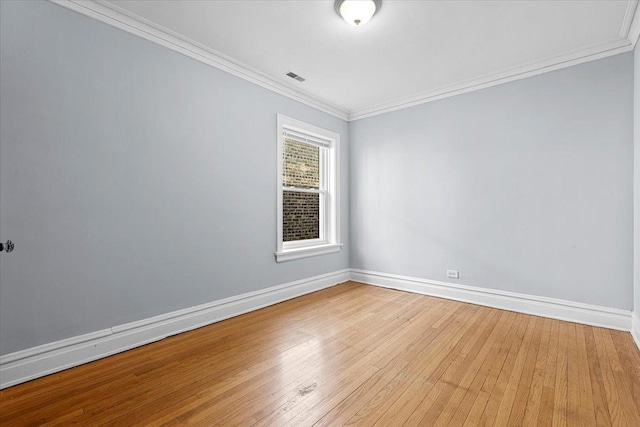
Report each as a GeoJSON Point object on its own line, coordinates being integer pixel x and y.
{"type": "Point", "coordinates": [357, 12]}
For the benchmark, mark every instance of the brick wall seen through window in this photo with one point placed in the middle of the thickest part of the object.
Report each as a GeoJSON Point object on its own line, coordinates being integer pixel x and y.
{"type": "Point", "coordinates": [300, 211]}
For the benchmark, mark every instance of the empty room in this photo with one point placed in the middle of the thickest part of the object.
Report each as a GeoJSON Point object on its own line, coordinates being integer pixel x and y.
{"type": "Point", "coordinates": [319, 213]}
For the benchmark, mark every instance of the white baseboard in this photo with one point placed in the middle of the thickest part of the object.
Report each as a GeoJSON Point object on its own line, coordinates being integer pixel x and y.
{"type": "Point", "coordinates": [36, 362]}
{"type": "Point", "coordinates": [588, 314]}
{"type": "Point", "coordinates": [635, 327]}
{"type": "Point", "coordinates": [25, 365]}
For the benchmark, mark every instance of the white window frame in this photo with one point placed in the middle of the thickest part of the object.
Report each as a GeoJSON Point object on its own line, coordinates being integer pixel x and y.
{"type": "Point", "coordinates": [329, 240]}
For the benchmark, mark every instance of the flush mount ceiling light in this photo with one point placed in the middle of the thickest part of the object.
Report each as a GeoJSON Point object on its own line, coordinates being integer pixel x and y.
{"type": "Point", "coordinates": [357, 12]}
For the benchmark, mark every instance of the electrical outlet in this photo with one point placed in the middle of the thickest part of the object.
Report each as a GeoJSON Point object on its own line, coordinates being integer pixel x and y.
{"type": "Point", "coordinates": [453, 273]}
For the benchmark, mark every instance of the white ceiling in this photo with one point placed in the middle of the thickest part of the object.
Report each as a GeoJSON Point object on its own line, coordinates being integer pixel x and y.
{"type": "Point", "coordinates": [409, 52]}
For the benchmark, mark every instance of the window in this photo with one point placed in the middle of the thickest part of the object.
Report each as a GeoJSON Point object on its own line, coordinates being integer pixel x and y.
{"type": "Point", "coordinates": [308, 200]}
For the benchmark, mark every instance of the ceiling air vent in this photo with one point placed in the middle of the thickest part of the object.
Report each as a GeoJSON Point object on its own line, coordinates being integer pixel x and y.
{"type": "Point", "coordinates": [295, 76]}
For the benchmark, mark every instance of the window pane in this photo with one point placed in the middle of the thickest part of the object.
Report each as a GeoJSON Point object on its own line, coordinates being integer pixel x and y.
{"type": "Point", "coordinates": [301, 165]}
{"type": "Point", "coordinates": [300, 216]}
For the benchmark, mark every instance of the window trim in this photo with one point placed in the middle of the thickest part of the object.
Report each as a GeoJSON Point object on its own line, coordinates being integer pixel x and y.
{"type": "Point", "coordinates": [329, 240]}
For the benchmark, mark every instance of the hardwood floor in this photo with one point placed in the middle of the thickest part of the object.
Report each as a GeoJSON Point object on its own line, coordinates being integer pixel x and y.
{"type": "Point", "coordinates": [352, 355]}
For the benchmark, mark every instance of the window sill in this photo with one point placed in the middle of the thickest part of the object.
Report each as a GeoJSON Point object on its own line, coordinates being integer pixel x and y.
{"type": "Point", "coordinates": [309, 251]}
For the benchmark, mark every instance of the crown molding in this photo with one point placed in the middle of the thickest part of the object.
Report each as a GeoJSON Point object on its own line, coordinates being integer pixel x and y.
{"type": "Point", "coordinates": [631, 23]}
{"type": "Point", "coordinates": [110, 14]}
{"type": "Point", "coordinates": [576, 57]}
{"type": "Point", "coordinates": [628, 18]}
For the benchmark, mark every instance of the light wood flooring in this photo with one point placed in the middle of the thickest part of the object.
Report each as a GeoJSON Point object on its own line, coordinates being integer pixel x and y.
{"type": "Point", "coordinates": [352, 355]}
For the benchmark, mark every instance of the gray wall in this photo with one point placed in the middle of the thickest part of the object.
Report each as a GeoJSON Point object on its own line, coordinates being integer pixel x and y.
{"type": "Point", "coordinates": [134, 180]}
{"type": "Point", "coordinates": [636, 180]}
{"type": "Point", "coordinates": [523, 187]}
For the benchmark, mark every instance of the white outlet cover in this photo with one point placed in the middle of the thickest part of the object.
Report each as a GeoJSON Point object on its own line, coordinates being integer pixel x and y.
{"type": "Point", "coordinates": [453, 273]}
